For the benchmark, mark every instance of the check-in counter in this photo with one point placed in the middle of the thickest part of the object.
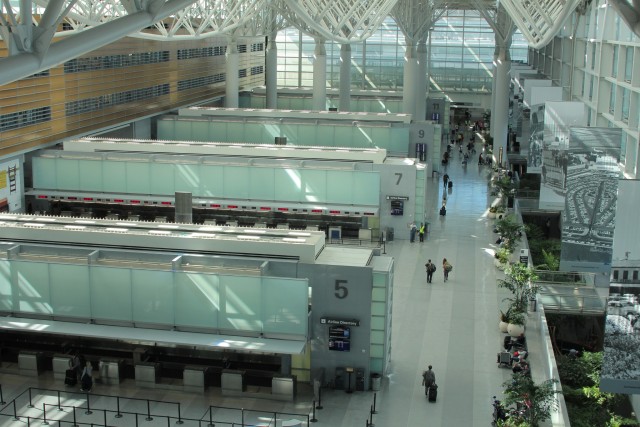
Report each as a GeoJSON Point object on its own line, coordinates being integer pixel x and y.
{"type": "Point", "coordinates": [147, 374]}
{"type": "Point", "coordinates": [61, 362]}
{"type": "Point", "coordinates": [232, 382]}
{"type": "Point", "coordinates": [30, 363]}
{"type": "Point", "coordinates": [111, 371]}
{"type": "Point", "coordinates": [283, 387]}
{"type": "Point", "coordinates": [193, 378]}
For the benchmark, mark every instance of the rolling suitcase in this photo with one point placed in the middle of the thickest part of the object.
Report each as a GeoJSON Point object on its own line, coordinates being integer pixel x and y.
{"type": "Point", "coordinates": [433, 393]}
{"type": "Point", "coordinates": [70, 378]}
{"type": "Point", "coordinates": [504, 358]}
{"type": "Point", "coordinates": [450, 184]}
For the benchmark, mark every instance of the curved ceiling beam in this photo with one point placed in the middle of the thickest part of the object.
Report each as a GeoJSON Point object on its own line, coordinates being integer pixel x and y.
{"type": "Point", "coordinates": [539, 20]}
{"type": "Point", "coordinates": [629, 11]}
{"type": "Point", "coordinates": [24, 64]}
{"type": "Point", "coordinates": [343, 21]}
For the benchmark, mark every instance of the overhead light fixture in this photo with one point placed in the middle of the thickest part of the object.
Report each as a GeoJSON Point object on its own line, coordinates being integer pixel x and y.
{"type": "Point", "coordinates": [241, 237]}
{"type": "Point", "coordinates": [117, 230]}
{"type": "Point", "coordinates": [159, 232]}
{"type": "Point", "coordinates": [294, 240]}
{"type": "Point", "coordinates": [75, 227]}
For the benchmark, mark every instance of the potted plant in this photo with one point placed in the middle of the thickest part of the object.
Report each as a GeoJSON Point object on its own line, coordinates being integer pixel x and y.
{"type": "Point", "coordinates": [517, 320]}
{"type": "Point", "coordinates": [504, 320]}
{"type": "Point", "coordinates": [520, 281]}
{"type": "Point", "coordinates": [538, 400]}
{"type": "Point", "coordinates": [500, 211]}
{"type": "Point", "coordinates": [510, 230]}
{"type": "Point", "coordinates": [492, 212]}
{"type": "Point", "coordinates": [502, 256]}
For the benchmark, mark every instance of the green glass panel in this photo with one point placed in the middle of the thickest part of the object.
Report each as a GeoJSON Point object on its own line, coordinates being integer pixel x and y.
{"type": "Point", "coordinates": [187, 178]}
{"type": "Point", "coordinates": [6, 291]}
{"type": "Point", "coordinates": [182, 131]}
{"type": "Point", "coordinates": [379, 280]}
{"type": "Point", "coordinates": [285, 315]}
{"type": "Point", "coordinates": [340, 187]}
{"type": "Point", "coordinates": [44, 173]}
{"type": "Point", "coordinates": [199, 131]}
{"type": "Point", "coordinates": [162, 179]}
{"type": "Point", "coordinates": [290, 131]}
{"type": "Point", "coordinates": [33, 287]}
{"type": "Point", "coordinates": [269, 131]}
{"type": "Point", "coordinates": [166, 129]}
{"type": "Point", "coordinates": [377, 350]}
{"type": "Point", "coordinates": [377, 337]}
{"type": "Point", "coordinates": [376, 364]}
{"type": "Point", "coordinates": [261, 184]}
{"type": "Point", "coordinates": [378, 322]}
{"type": "Point", "coordinates": [379, 294]}
{"type": "Point", "coordinates": [111, 293]}
{"type": "Point", "coordinates": [91, 174]}
{"type": "Point", "coordinates": [240, 303]}
{"type": "Point", "coordinates": [378, 309]}
{"type": "Point", "coordinates": [197, 300]}
{"type": "Point", "coordinates": [314, 185]}
{"type": "Point", "coordinates": [114, 176]}
{"type": "Point", "coordinates": [212, 180]}
{"type": "Point", "coordinates": [69, 285]}
{"type": "Point", "coordinates": [366, 188]}
{"type": "Point", "coordinates": [236, 182]}
{"type": "Point", "coordinates": [68, 172]}
{"type": "Point", "coordinates": [152, 294]}
{"type": "Point", "coordinates": [138, 176]}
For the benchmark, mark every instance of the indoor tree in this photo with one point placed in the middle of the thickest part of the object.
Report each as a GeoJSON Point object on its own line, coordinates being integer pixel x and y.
{"type": "Point", "coordinates": [536, 400]}
{"type": "Point", "coordinates": [510, 230]}
{"type": "Point", "coordinates": [520, 281]}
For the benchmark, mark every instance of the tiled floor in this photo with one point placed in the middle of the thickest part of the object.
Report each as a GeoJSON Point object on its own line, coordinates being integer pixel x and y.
{"type": "Point", "coordinates": [452, 326]}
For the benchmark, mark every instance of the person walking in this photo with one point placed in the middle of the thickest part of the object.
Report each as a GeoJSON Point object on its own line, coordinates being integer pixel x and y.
{"type": "Point", "coordinates": [86, 379]}
{"type": "Point", "coordinates": [445, 179]}
{"type": "Point", "coordinates": [446, 267]}
{"type": "Point", "coordinates": [428, 380]}
{"type": "Point", "coordinates": [431, 268]}
{"type": "Point", "coordinates": [413, 229]}
{"type": "Point", "coordinates": [421, 231]}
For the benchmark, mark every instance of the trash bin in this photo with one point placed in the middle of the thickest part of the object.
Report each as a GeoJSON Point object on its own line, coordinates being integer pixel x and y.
{"type": "Point", "coordinates": [376, 381]}
{"type": "Point", "coordinates": [389, 234]}
{"type": "Point", "coordinates": [532, 305]}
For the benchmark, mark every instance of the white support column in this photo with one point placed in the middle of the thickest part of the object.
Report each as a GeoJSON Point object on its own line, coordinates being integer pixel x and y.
{"type": "Point", "coordinates": [493, 97]}
{"type": "Point", "coordinates": [501, 106]}
{"type": "Point", "coordinates": [421, 82]}
{"type": "Point", "coordinates": [345, 77]}
{"type": "Point", "coordinates": [271, 72]}
{"type": "Point", "coordinates": [232, 78]}
{"type": "Point", "coordinates": [320, 76]}
{"type": "Point", "coordinates": [409, 82]}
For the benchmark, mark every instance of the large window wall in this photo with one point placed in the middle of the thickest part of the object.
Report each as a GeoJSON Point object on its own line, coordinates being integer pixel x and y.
{"type": "Point", "coordinates": [599, 66]}
{"type": "Point", "coordinates": [462, 47]}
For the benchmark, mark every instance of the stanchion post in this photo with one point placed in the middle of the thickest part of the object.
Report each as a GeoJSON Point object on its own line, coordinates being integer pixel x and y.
{"type": "Point", "coordinates": [118, 414]}
{"type": "Point", "coordinates": [59, 402]}
{"type": "Point", "coordinates": [75, 424]}
{"type": "Point", "coordinates": [242, 415]}
{"type": "Point", "coordinates": [179, 416]}
{"type": "Point", "coordinates": [30, 405]}
{"type": "Point", "coordinates": [104, 413]}
{"type": "Point", "coordinates": [136, 419]}
{"type": "Point", "coordinates": [15, 412]}
{"type": "Point", "coordinates": [210, 417]}
{"type": "Point", "coordinates": [375, 395]}
{"type": "Point", "coordinates": [149, 418]}
{"type": "Point", "coordinates": [44, 414]}
{"type": "Point", "coordinates": [88, 411]}
{"type": "Point", "coordinates": [2, 402]}
{"type": "Point", "coordinates": [371, 424]}
{"type": "Point", "coordinates": [319, 399]}
{"type": "Point", "coordinates": [313, 409]}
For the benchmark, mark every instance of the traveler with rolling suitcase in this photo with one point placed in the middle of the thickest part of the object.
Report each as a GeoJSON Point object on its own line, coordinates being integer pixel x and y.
{"type": "Point", "coordinates": [429, 383]}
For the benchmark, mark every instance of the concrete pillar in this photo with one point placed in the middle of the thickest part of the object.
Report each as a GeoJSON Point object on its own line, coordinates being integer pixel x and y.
{"type": "Point", "coordinates": [501, 106]}
{"type": "Point", "coordinates": [271, 72]}
{"type": "Point", "coordinates": [409, 82]}
{"type": "Point", "coordinates": [493, 97]}
{"type": "Point", "coordinates": [320, 76]}
{"type": "Point", "coordinates": [232, 78]}
{"type": "Point", "coordinates": [421, 82]}
{"type": "Point", "coordinates": [345, 78]}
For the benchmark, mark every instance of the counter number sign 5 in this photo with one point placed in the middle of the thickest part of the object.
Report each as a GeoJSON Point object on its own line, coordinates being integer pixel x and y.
{"type": "Point", "coordinates": [341, 289]}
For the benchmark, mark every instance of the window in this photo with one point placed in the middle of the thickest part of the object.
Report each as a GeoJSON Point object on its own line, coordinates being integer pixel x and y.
{"type": "Point", "coordinates": [614, 69]}
{"type": "Point", "coordinates": [628, 66]}
{"type": "Point", "coordinates": [105, 101]}
{"type": "Point", "coordinates": [200, 81]}
{"type": "Point", "coordinates": [24, 118]}
{"type": "Point", "coordinates": [625, 275]}
{"type": "Point", "coordinates": [615, 274]}
{"type": "Point", "coordinates": [257, 70]}
{"type": "Point", "coordinates": [625, 105]}
{"type": "Point", "coordinates": [593, 56]}
{"type": "Point", "coordinates": [612, 100]}
{"type": "Point", "coordinates": [635, 275]}
{"type": "Point", "coordinates": [242, 73]}
{"type": "Point", "coordinates": [201, 52]}
{"type": "Point", "coordinates": [115, 61]}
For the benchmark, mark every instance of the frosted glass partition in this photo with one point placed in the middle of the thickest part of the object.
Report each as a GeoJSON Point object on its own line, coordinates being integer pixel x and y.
{"type": "Point", "coordinates": [217, 302]}
{"type": "Point", "coordinates": [203, 180]}
{"type": "Point", "coordinates": [393, 138]}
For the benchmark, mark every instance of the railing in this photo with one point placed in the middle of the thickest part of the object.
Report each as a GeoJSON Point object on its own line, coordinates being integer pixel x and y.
{"type": "Point", "coordinates": [354, 242]}
{"type": "Point", "coordinates": [575, 304]}
{"type": "Point", "coordinates": [40, 406]}
{"type": "Point", "coordinates": [571, 278]}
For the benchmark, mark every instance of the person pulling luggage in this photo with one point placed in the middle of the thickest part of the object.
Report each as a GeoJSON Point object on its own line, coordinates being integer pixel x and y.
{"type": "Point", "coordinates": [429, 383]}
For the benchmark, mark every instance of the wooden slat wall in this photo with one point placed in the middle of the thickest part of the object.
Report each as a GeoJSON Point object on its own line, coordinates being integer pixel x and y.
{"type": "Point", "coordinates": [59, 87]}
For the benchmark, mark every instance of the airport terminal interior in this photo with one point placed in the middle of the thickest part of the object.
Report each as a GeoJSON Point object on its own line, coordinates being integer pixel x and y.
{"type": "Point", "coordinates": [223, 210]}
